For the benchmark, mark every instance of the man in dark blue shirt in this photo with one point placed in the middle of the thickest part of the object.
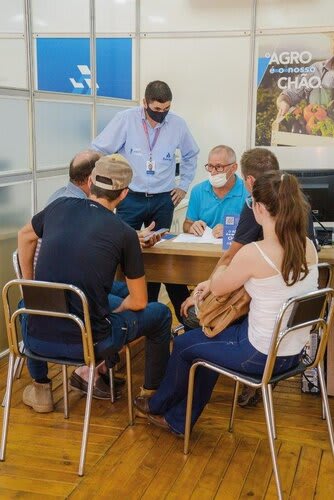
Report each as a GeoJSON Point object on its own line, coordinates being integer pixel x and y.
{"type": "Point", "coordinates": [83, 242]}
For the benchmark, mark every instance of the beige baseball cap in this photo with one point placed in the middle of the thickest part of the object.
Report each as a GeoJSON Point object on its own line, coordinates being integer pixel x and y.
{"type": "Point", "coordinates": [112, 172]}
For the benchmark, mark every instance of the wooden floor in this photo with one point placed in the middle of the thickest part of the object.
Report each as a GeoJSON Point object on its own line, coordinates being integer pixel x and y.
{"type": "Point", "coordinates": [145, 462]}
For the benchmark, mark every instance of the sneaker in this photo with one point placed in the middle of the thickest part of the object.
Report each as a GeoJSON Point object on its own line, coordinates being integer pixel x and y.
{"type": "Point", "coordinates": [249, 396]}
{"type": "Point", "coordinates": [141, 403]}
{"type": "Point", "coordinates": [179, 329]}
{"type": "Point", "coordinates": [39, 397]}
{"type": "Point", "coordinates": [100, 390]}
{"type": "Point", "coordinates": [146, 393]}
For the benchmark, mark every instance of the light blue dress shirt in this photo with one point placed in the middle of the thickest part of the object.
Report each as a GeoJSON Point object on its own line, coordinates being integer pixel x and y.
{"type": "Point", "coordinates": [125, 134]}
{"type": "Point", "coordinates": [205, 205]}
{"type": "Point", "coordinates": [69, 191]}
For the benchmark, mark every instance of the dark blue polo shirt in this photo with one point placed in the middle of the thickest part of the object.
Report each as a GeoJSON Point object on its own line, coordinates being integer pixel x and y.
{"type": "Point", "coordinates": [82, 244]}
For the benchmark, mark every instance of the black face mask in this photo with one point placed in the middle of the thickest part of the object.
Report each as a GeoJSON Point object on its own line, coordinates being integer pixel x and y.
{"type": "Point", "coordinates": [157, 116]}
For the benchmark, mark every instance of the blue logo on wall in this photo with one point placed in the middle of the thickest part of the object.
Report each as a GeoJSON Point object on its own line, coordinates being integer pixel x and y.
{"type": "Point", "coordinates": [63, 65]}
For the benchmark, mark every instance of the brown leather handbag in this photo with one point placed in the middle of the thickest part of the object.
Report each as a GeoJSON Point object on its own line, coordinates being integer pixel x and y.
{"type": "Point", "coordinates": [217, 313]}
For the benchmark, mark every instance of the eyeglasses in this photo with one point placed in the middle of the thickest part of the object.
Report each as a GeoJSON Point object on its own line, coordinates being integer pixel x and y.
{"type": "Point", "coordinates": [250, 202]}
{"type": "Point", "coordinates": [217, 168]}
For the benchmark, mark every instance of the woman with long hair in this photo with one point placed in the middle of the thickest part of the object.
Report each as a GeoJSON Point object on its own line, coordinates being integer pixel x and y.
{"type": "Point", "coordinates": [281, 266]}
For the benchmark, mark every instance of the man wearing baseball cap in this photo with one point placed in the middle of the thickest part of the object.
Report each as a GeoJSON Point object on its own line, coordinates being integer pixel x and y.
{"type": "Point", "coordinates": [83, 242]}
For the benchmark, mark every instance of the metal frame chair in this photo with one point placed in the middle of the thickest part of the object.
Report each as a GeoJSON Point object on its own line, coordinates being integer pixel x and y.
{"type": "Point", "coordinates": [325, 275]}
{"type": "Point", "coordinates": [325, 281]}
{"type": "Point", "coordinates": [54, 305]}
{"type": "Point", "coordinates": [19, 361]}
{"type": "Point", "coordinates": [307, 310]}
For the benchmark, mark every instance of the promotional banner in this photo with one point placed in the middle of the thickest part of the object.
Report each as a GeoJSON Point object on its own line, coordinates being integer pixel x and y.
{"type": "Point", "coordinates": [230, 226]}
{"type": "Point", "coordinates": [63, 65]}
{"type": "Point", "coordinates": [295, 90]}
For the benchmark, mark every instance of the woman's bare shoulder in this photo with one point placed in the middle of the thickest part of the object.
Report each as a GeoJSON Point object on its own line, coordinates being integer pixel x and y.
{"type": "Point", "coordinates": [311, 252]}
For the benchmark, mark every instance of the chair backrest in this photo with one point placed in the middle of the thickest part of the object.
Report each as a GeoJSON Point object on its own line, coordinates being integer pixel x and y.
{"type": "Point", "coordinates": [315, 311]}
{"type": "Point", "coordinates": [16, 265]}
{"type": "Point", "coordinates": [43, 298]}
{"type": "Point", "coordinates": [325, 275]}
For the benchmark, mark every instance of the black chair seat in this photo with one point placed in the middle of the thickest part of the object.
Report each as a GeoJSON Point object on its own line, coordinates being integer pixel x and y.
{"type": "Point", "coordinates": [257, 379]}
{"type": "Point", "coordinates": [65, 361]}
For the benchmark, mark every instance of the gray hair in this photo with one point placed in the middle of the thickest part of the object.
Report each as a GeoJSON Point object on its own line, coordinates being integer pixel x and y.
{"type": "Point", "coordinates": [230, 153]}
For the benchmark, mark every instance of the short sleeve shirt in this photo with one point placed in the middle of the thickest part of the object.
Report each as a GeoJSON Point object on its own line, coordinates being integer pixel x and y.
{"type": "Point", "coordinates": [82, 244]}
{"type": "Point", "coordinates": [205, 205]}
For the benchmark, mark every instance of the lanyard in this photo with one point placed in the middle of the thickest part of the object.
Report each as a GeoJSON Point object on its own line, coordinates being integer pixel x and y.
{"type": "Point", "coordinates": [156, 135]}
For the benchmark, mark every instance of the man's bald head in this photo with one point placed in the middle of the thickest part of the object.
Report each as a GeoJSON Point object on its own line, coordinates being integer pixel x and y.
{"type": "Point", "coordinates": [82, 165]}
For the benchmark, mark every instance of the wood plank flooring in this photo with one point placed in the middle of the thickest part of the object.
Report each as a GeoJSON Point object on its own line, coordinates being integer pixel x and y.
{"type": "Point", "coordinates": [144, 462]}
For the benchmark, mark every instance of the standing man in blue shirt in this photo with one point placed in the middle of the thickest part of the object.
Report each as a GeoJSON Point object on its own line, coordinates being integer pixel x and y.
{"type": "Point", "coordinates": [148, 136]}
{"type": "Point", "coordinates": [221, 195]}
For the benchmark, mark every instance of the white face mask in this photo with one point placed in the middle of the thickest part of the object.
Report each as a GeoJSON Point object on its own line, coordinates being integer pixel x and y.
{"type": "Point", "coordinates": [218, 180]}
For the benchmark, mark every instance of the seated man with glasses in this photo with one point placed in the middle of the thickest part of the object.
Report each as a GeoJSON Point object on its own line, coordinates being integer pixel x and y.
{"type": "Point", "coordinates": [222, 194]}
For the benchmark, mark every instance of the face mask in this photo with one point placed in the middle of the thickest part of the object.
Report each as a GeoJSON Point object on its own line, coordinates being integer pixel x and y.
{"type": "Point", "coordinates": [157, 116]}
{"type": "Point", "coordinates": [218, 180]}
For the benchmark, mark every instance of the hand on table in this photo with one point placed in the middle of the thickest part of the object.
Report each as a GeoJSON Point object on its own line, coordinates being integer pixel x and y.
{"type": "Point", "coordinates": [197, 228]}
{"type": "Point", "coordinates": [143, 233]}
{"type": "Point", "coordinates": [217, 231]}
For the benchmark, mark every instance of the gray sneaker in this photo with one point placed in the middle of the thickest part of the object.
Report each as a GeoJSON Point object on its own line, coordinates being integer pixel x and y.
{"type": "Point", "coordinates": [249, 397]}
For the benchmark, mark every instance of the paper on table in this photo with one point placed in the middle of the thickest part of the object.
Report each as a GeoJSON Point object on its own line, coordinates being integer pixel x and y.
{"type": "Point", "coordinates": [207, 237]}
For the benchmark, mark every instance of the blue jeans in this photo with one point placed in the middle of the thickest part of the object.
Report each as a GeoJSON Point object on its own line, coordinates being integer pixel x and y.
{"type": "Point", "coordinates": [230, 348]}
{"type": "Point", "coordinates": [153, 322]}
{"type": "Point", "coordinates": [120, 289]}
{"type": "Point", "coordinates": [137, 209]}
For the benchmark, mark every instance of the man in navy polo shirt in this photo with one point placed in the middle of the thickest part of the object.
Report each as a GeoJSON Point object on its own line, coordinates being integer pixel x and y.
{"type": "Point", "coordinates": [83, 242]}
{"type": "Point", "coordinates": [222, 194]}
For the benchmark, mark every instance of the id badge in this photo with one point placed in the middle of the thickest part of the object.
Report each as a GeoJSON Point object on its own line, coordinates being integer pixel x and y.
{"type": "Point", "coordinates": [150, 167]}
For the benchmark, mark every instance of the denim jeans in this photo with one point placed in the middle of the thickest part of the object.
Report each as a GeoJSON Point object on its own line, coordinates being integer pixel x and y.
{"type": "Point", "coordinates": [120, 289]}
{"type": "Point", "coordinates": [154, 322]}
{"type": "Point", "coordinates": [230, 348]}
{"type": "Point", "coordinates": [137, 209]}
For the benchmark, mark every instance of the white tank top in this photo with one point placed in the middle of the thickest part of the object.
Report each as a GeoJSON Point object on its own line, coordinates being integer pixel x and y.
{"type": "Point", "coordinates": [268, 295]}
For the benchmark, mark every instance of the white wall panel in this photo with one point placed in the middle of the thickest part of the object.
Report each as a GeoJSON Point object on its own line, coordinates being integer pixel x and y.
{"type": "Point", "coordinates": [115, 16]}
{"type": "Point", "coordinates": [62, 130]}
{"type": "Point", "coordinates": [105, 113]}
{"type": "Point", "coordinates": [47, 186]}
{"type": "Point", "coordinates": [15, 207]}
{"type": "Point", "coordinates": [195, 15]}
{"type": "Point", "coordinates": [13, 67]}
{"type": "Point", "coordinates": [14, 137]}
{"type": "Point", "coordinates": [294, 13]}
{"type": "Point", "coordinates": [12, 16]}
{"type": "Point", "coordinates": [304, 157]}
{"type": "Point", "coordinates": [209, 85]}
{"type": "Point", "coordinates": [61, 16]}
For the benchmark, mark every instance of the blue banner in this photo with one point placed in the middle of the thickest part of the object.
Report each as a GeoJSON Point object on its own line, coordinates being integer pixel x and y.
{"type": "Point", "coordinates": [63, 65]}
{"type": "Point", "coordinates": [230, 226]}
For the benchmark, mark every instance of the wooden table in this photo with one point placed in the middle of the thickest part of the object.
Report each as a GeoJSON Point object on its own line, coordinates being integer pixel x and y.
{"type": "Point", "coordinates": [188, 263]}
{"type": "Point", "coordinates": [192, 263]}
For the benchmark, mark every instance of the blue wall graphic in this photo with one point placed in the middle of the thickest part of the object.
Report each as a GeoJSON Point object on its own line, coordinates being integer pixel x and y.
{"type": "Point", "coordinates": [63, 65]}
